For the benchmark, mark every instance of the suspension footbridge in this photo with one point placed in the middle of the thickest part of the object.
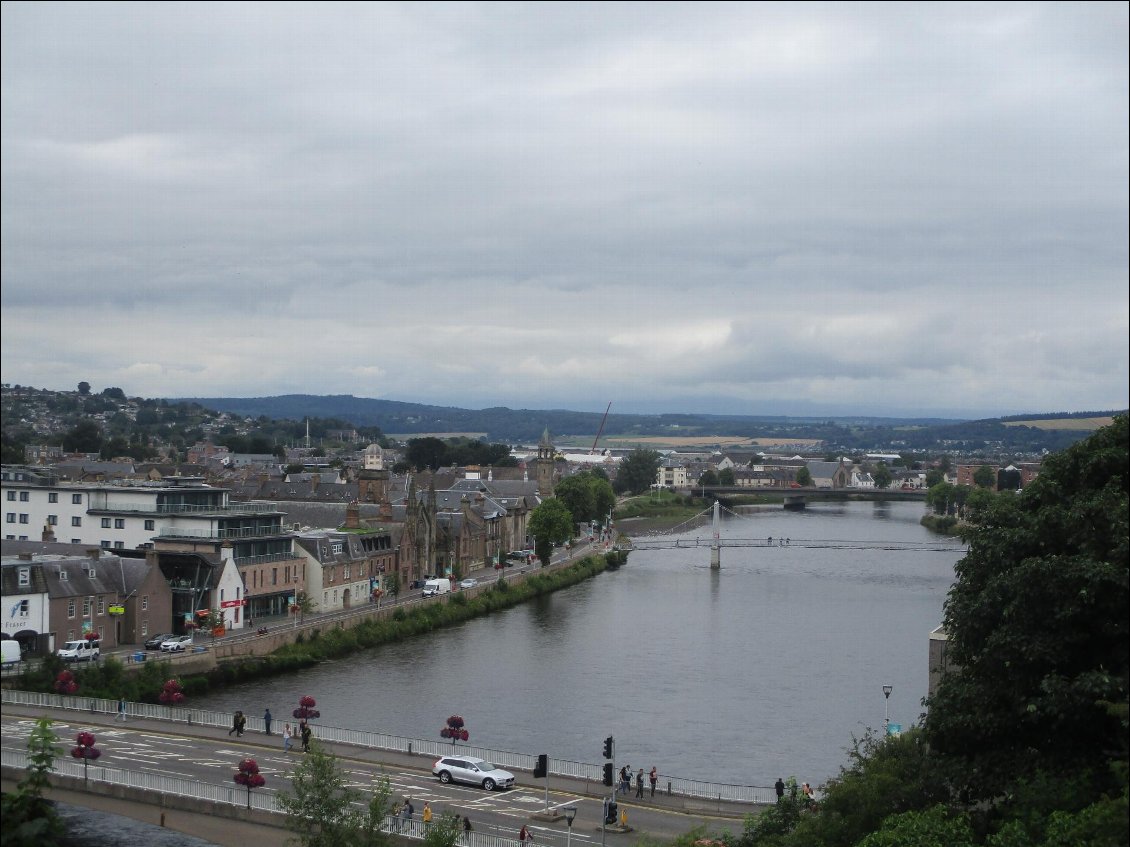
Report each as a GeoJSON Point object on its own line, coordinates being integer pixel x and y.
{"type": "Point", "coordinates": [715, 542]}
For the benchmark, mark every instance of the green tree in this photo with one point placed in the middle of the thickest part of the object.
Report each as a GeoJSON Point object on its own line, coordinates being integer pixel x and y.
{"type": "Point", "coordinates": [444, 831]}
{"type": "Point", "coordinates": [578, 497]}
{"type": "Point", "coordinates": [940, 498]}
{"type": "Point", "coordinates": [550, 523]}
{"type": "Point", "coordinates": [804, 477]}
{"type": "Point", "coordinates": [985, 477]}
{"type": "Point", "coordinates": [322, 808]}
{"type": "Point", "coordinates": [30, 820]}
{"type": "Point", "coordinates": [85, 437]}
{"type": "Point", "coordinates": [426, 453]}
{"type": "Point", "coordinates": [726, 476]}
{"type": "Point", "coordinates": [84, 388]}
{"type": "Point", "coordinates": [708, 477]}
{"type": "Point", "coordinates": [882, 476]}
{"type": "Point", "coordinates": [934, 476]}
{"type": "Point", "coordinates": [637, 471]}
{"type": "Point", "coordinates": [1037, 622]}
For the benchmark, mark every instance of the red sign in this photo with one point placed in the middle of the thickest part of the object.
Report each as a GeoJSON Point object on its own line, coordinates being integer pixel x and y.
{"type": "Point", "coordinates": [231, 604]}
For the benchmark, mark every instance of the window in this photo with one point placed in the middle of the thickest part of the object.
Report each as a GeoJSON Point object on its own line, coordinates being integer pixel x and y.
{"type": "Point", "coordinates": [145, 602]}
{"type": "Point", "coordinates": [10, 517]}
{"type": "Point", "coordinates": [76, 521]}
{"type": "Point", "coordinates": [101, 605]}
{"type": "Point", "coordinates": [237, 590]}
{"type": "Point", "coordinates": [63, 575]}
{"type": "Point", "coordinates": [21, 609]}
{"type": "Point", "coordinates": [337, 548]}
{"type": "Point", "coordinates": [119, 545]}
{"type": "Point", "coordinates": [119, 523]}
{"type": "Point", "coordinates": [286, 574]}
{"type": "Point", "coordinates": [105, 545]}
{"type": "Point", "coordinates": [53, 520]}
{"type": "Point", "coordinates": [76, 541]}
{"type": "Point", "coordinates": [25, 576]}
{"type": "Point", "coordinates": [23, 496]}
{"type": "Point", "coordinates": [274, 576]}
{"type": "Point", "coordinates": [70, 635]}
{"type": "Point", "coordinates": [150, 525]}
{"type": "Point", "coordinates": [52, 497]}
{"type": "Point", "coordinates": [221, 595]}
{"type": "Point", "coordinates": [145, 627]}
{"type": "Point", "coordinates": [86, 608]}
{"type": "Point", "coordinates": [346, 574]}
{"type": "Point", "coordinates": [76, 499]}
{"type": "Point", "coordinates": [70, 608]}
{"type": "Point", "coordinates": [11, 495]}
{"type": "Point", "coordinates": [23, 517]}
{"type": "Point", "coordinates": [105, 523]}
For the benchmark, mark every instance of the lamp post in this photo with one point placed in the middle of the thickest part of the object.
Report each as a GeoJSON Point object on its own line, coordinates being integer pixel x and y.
{"type": "Point", "coordinates": [570, 813]}
{"type": "Point", "coordinates": [887, 689]}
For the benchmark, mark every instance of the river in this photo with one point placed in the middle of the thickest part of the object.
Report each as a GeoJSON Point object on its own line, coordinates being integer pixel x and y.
{"type": "Point", "coordinates": [763, 669]}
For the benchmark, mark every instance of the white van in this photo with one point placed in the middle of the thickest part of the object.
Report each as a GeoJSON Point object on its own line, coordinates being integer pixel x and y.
{"type": "Point", "coordinates": [437, 586]}
{"type": "Point", "coordinates": [10, 653]}
{"type": "Point", "coordinates": [79, 651]}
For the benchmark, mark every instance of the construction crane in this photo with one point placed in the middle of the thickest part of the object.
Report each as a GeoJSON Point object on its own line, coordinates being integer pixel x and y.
{"type": "Point", "coordinates": [599, 431]}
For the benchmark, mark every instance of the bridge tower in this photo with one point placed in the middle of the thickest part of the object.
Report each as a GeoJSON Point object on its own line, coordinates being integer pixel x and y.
{"type": "Point", "coordinates": [715, 544]}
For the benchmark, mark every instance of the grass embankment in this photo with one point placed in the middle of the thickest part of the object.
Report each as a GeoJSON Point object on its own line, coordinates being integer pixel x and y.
{"type": "Point", "coordinates": [942, 524]}
{"type": "Point", "coordinates": [110, 680]}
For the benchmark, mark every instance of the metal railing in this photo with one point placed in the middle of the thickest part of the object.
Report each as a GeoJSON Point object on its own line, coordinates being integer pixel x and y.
{"type": "Point", "coordinates": [243, 506]}
{"type": "Point", "coordinates": [238, 532]}
{"type": "Point", "coordinates": [672, 785]}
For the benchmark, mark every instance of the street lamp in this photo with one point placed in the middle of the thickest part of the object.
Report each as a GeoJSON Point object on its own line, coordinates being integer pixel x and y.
{"type": "Point", "coordinates": [570, 813]}
{"type": "Point", "coordinates": [887, 689]}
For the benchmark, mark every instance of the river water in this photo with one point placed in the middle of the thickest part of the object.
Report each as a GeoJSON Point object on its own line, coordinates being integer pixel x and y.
{"type": "Point", "coordinates": [763, 669]}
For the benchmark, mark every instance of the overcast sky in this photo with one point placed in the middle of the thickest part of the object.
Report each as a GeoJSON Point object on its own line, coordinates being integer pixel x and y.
{"type": "Point", "coordinates": [738, 208]}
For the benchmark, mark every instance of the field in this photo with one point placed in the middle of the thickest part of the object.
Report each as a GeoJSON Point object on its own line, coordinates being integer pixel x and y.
{"type": "Point", "coordinates": [708, 441]}
{"type": "Point", "coordinates": [1076, 424]}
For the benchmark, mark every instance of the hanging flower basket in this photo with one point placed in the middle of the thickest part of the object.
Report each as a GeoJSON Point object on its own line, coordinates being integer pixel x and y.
{"type": "Point", "coordinates": [92, 636]}
{"type": "Point", "coordinates": [65, 683]}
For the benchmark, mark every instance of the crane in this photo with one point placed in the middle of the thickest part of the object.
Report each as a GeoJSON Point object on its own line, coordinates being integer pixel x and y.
{"type": "Point", "coordinates": [600, 430]}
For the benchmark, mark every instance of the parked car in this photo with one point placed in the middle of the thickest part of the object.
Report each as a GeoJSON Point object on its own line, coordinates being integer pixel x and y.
{"type": "Point", "coordinates": [176, 644]}
{"type": "Point", "coordinates": [472, 771]}
{"type": "Point", "coordinates": [468, 583]}
{"type": "Point", "coordinates": [80, 651]}
{"type": "Point", "coordinates": [156, 641]}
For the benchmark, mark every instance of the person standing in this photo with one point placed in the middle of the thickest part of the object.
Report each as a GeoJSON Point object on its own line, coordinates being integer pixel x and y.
{"type": "Point", "coordinates": [427, 813]}
{"type": "Point", "coordinates": [287, 739]}
{"type": "Point", "coordinates": [267, 720]}
{"type": "Point", "coordinates": [405, 813]}
{"type": "Point", "coordinates": [654, 777]}
{"type": "Point", "coordinates": [639, 783]}
{"type": "Point", "coordinates": [121, 710]}
{"type": "Point", "coordinates": [306, 733]}
{"type": "Point", "coordinates": [524, 835]}
{"type": "Point", "coordinates": [779, 787]}
{"type": "Point", "coordinates": [467, 825]}
{"type": "Point", "coordinates": [625, 780]}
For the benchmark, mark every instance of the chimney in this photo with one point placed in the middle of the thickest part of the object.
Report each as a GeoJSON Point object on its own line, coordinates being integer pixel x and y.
{"type": "Point", "coordinates": [48, 534]}
{"type": "Point", "coordinates": [94, 553]}
{"type": "Point", "coordinates": [26, 557]}
{"type": "Point", "coordinates": [315, 481]}
{"type": "Point", "coordinates": [352, 515]}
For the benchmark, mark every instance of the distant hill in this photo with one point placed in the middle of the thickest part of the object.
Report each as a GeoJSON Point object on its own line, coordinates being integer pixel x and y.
{"type": "Point", "coordinates": [1019, 434]}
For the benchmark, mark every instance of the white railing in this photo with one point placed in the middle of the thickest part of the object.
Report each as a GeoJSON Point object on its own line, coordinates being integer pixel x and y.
{"type": "Point", "coordinates": [671, 785]}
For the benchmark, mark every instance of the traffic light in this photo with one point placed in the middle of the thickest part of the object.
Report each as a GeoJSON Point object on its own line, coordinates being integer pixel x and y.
{"type": "Point", "coordinates": [610, 812]}
{"type": "Point", "coordinates": [541, 769]}
{"type": "Point", "coordinates": [608, 748]}
{"type": "Point", "coordinates": [607, 773]}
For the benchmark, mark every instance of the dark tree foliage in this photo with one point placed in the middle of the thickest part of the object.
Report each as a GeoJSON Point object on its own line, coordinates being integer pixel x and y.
{"type": "Point", "coordinates": [426, 453]}
{"type": "Point", "coordinates": [637, 471]}
{"type": "Point", "coordinates": [86, 437]}
{"type": "Point", "coordinates": [1038, 625]}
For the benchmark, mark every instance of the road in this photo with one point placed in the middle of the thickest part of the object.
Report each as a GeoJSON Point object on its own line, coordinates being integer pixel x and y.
{"type": "Point", "coordinates": [207, 754]}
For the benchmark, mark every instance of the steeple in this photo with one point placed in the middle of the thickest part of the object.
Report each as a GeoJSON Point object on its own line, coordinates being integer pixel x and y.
{"type": "Point", "coordinates": [545, 463]}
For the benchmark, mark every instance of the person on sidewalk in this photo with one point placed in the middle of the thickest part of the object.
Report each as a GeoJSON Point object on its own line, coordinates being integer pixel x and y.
{"type": "Point", "coordinates": [467, 825]}
{"type": "Point", "coordinates": [236, 725]}
{"type": "Point", "coordinates": [267, 721]}
{"type": "Point", "coordinates": [427, 813]}
{"type": "Point", "coordinates": [306, 733]}
{"type": "Point", "coordinates": [654, 778]}
{"type": "Point", "coordinates": [524, 835]}
{"type": "Point", "coordinates": [121, 710]}
{"type": "Point", "coordinates": [287, 739]}
{"type": "Point", "coordinates": [779, 787]}
{"type": "Point", "coordinates": [639, 783]}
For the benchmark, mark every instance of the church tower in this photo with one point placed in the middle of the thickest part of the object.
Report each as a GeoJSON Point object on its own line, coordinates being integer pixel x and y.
{"type": "Point", "coordinates": [372, 479]}
{"type": "Point", "coordinates": [545, 465]}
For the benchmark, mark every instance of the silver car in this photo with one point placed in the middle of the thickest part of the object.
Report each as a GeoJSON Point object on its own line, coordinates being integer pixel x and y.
{"type": "Point", "coordinates": [472, 771]}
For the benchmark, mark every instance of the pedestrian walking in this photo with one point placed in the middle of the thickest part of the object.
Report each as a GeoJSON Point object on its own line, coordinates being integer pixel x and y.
{"type": "Point", "coordinates": [240, 724]}
{"type": "Point", "coordinates": [236, 723]}
{"type": "Point", "coordinates": [121, 710]}
{"type": "Point", "coordinates": [467, 825]}
{"type": "Point", "coordinates": [411, 810]}
{"type": "Point", "coordinates": [405, 813]}
{"type": "Point", "coordinates": [395, 816]}
{"type": "Point", "coordinates": [427, 813]}
{"type": "Point", "coordinates": [639, 783]}
{"type": "Point", "coordinates": [524, 835]}
{"type": "Point", "coordinates": [779, 787]}
{"type": "Point", "coordinates": [267, 720]}
{"type": "Point", "coordinates": [287, 737]}
{"type": "Point", "coordinates": [306, 733]}
{"type": "Point", "coordinates": [654, 778]}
